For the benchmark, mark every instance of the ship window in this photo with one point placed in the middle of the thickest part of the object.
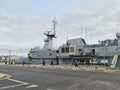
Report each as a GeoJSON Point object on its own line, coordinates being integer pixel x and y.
{"type": "Point", "coordinates": [57, 51]}
{"type": "Point", "coordinates": [93, 51]}
{"type": "Point", "coordinates": [63, 50]}
{"type": "Point", "coordinates": [32, 52]}
{"type": "Point", "coordinates": [67, 49]}
{"type": "Point", "coordinates": [71, 49]}
{"type": "Point", "coordinates": [79, 50]}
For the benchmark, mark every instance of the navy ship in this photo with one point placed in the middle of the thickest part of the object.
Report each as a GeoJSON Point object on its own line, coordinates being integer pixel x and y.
{"type": "Point", "coordinates": [107, 52]}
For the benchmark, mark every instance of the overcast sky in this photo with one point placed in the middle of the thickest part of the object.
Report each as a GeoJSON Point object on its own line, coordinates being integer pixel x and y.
{"type": "Point", "coordinates": [22, 22]}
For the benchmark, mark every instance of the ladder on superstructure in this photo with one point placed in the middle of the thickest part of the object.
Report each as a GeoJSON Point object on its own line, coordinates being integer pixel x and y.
{"type": "Point", "coordinates": [114, 61]}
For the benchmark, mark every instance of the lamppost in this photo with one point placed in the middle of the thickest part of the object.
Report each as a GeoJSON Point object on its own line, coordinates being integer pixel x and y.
{"type": "Point", "coordinates": [9, 56]}
{"type": "Point", "coordinates": [118, 38]}
{"type": "Point", "coordinates": [105, 53]}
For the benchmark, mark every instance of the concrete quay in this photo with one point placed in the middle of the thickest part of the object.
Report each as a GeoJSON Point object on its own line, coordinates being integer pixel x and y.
{"type": "Point", "coordinates": [92, 68]}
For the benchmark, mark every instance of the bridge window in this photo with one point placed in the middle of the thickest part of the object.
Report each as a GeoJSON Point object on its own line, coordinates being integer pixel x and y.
{"type": "Point", "coordinates": [67, 49]}
{"type": "Point", "coordinates": [71, 49]}
{"type": "Point", "coordinates": [63, 50]}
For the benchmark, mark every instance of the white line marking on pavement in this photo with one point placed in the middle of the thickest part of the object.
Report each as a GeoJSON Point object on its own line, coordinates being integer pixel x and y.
{"type": "Point", "coordinates": [49, 89]}
{"type": "Point", "coordinates": [32, 86]}
{"type": "Point", "coordinates": [17, 81]}
{"type": "Point", "coordinates": [11, 86]}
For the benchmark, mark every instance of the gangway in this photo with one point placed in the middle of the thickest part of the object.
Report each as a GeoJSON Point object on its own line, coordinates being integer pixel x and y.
{"type": "Point", "coordinates": [114, 61]}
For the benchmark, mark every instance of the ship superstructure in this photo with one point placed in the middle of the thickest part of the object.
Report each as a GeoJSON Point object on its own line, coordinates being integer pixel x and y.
{"type": "Point", "coordinates": [71, 48]}
{"type": "Point", "coordinates": [47, 53]}
{"type": "Point", "coordinates": [50, 35]}
{"type": "Point", "coordinates": [107, 52]}
{"type": "Point", "coordinates": [102, 53]}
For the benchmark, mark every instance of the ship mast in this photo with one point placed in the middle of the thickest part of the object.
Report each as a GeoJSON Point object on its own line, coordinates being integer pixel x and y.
{"type": "Point", "coordinates": [50, 35]}
{"type": "Point", "coordinates": [54, 25]}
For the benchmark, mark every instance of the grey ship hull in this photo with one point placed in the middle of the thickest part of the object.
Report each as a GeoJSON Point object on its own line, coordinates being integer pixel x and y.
{"type": "Point", "coordinates": [37, 57]}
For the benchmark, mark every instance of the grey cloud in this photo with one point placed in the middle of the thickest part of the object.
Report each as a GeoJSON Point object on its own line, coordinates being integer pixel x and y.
{"type": "Point", "coordinates": [103, 21]}
{"type": "Point", "coordinates": [19, 7]}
